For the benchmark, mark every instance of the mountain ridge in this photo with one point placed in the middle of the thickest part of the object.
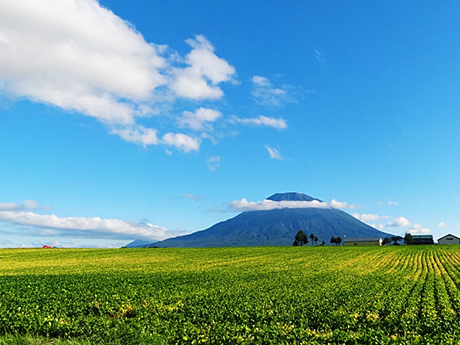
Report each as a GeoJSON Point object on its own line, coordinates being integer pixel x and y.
{"type": "Point", "coordinates": [276, 227]}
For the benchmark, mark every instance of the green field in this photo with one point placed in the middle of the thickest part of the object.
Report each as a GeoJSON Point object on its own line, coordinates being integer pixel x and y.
{"type": "Point", "coordinates": [255, 295]}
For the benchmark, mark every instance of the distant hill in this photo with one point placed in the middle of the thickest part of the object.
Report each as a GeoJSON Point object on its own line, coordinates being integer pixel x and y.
{"type": "Point", "coordinates": [276, 227]}
{"type": "Point", "coordinates": [138, 244]}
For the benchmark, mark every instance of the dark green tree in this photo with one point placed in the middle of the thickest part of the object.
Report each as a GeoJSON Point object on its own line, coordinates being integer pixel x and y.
{"type": "Point", "coordinates": [395, 240]}
{"type": "Point", "coordinates": [408, 239]}
{"type": "Point", "coordinates": [295, 243]}
{"type": "Point", "coordinates": [316, 240]}
{"type": "Point", "coordinates": [332, 240]}
{"type": "Point", "coordinates": [338, 240]}
{"type": "Point", "coordinates": [312, 238]}
{"type": "Point", "coordinates": [301, 238]}
{"type": "Point", "coordinates": [386, 241]}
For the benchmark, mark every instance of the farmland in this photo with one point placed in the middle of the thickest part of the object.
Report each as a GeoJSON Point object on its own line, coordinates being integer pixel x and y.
{"type": "Point", "coordinates": [262, 295]}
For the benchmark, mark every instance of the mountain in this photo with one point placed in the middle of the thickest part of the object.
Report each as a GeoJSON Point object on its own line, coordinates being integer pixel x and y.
{"type": "Point", "coordinates": [277, 227]}
{"type": "Point", "coordinates": [138, 244]}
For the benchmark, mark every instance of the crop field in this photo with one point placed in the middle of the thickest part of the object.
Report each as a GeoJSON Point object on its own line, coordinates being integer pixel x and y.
{"type": "Point", "coordinates": [258, 295]}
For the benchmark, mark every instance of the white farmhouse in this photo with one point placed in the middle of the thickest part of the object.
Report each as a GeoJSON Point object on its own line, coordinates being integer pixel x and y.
{"type": "Point", "coordinates": [449, 239]}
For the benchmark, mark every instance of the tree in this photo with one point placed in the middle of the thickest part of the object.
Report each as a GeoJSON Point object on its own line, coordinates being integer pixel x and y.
{"type": "Point", "coordinates": [295, 243]}
{"type": "Point", "coordinates": [301, 238]}
{"type": "Point", "coordinates": [312, 238]}
{"type": "Point", "coordinates": [316, 240]}
{"type": "Point", "coordinates": [386, 240]}
{"type": "Point", "coordinates": [395, 240]}
{"type": "Point", "coordinates": [332, 240]}
{"type": "Point", "coordinates": [338, 240]}
{"type": "Point", "coordinates": [408, 239]}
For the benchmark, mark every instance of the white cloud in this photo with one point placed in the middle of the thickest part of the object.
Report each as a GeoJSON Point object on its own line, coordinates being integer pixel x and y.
{"type": "Point", "coordinates": [199, 119]}
{"type": "Point", "coordinates": [261, 121]}
{"type": "Point", "coordinates": [442, 224]}
{"type": "Point", "coordinates": [399, 222]}
{"type": "Point", "coordinates": [378, 226]}
{"type": "Point", "coordinates": [52, 225]}
{"type": "Point", "coordinates": [213, 163]}
{"type": "Point", "coordinates": [265, 205]}
{"type": "Point", "coordinates": [204, 72]}
{"type": "Point", "coordinates": [265, 93]}
{"type": "Point", "coordinates": [137, 134]}
{"type": "Point", "coordinates": [417, 229]}
{"type": "Point", "coordinates": [274, 153]}
{"type": "Point", "coordinates": [79, 56]}
{"type": "Point", "coordinates": [341, 204]}
{"type": "Point", "coordinates": [10, 206]}
{"type": "Point", "coordinates": [181, 141]}
{"type": "Point", "coordinates": [368, 217]}
{"type": "Point", "coordinates": [393, 203]}
{"type": "Point", "coordinates": [29, 205]}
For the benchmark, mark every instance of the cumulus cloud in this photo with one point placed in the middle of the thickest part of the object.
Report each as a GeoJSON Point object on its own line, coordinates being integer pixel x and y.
{"type": "Point", "coordinates": [378, 226]}
{"type": "Point", "coordinates": [399, 222]}
{"type": "Point", "coordinates": [77, 56]}
{"type": "Point", "coordinates": [393, 203]}
{"type": "Point", "coordinates": [265, 93]}
{"type": "Point", "coordinates": [274, 153]}
{"type": "Point", "coordinates": [442, 224]}
{"type": "Point", "coordinates": [261, 121]}
{"type": "Point", "coordinates": [199, 119]}
{"type": "Point", "coordinates": [204, 72]}
{"type": "Point", "coordinates": [137, 134]}
{"type": "Point", "coordinates": [52, 225]}
{"type": "Point", "coordinates": [417, 229]}
{"type": "Point", "coordinates": [81, 57]}
{"type": "Point", "coordinates": [181, 141]}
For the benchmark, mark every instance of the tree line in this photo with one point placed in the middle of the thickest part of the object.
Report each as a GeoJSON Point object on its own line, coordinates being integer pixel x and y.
{"type": "Point", "coordinates": [301, 239]}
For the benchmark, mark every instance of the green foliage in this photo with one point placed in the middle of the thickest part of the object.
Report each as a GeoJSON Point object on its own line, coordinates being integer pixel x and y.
{"type": "Point", "coordinates": [408, 239]}
{"type": "Point", "coordinates": [395, 239]}
{"type": "Point", "coordinates": [255, 295]}
{"type": "Point", "coordinates": [301, 238]}
{"type": "Point", "coordinates": [336, 240]}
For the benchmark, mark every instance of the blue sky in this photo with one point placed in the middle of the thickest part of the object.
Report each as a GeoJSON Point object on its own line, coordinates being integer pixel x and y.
{"type": "Point", "coordinates": [152, 119]}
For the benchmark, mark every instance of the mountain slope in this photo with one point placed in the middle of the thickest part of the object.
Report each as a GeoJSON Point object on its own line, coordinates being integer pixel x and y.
{"type": "Point", "coordinates": [277, 227]}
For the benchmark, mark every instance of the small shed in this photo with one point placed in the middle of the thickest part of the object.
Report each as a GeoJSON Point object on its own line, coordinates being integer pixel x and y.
{"type": "Point", "coordinates": [449, 239]}
{"type": "Point", "coordinates": [423, 239]}
{"type": "Point", "coordinates": [371, 241]}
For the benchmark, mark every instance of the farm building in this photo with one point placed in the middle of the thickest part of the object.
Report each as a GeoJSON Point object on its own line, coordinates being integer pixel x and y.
{"type": "Point", "coordinates": [375, 241]}
{"type": "Point", "coordinates": [423, 239]}
{"type": "Point", "coordinates": [449, 239]}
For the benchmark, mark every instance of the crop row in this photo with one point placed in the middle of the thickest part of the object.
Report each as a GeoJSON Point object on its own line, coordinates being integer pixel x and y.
{"type": "Point", "coordinates": [289, 295]}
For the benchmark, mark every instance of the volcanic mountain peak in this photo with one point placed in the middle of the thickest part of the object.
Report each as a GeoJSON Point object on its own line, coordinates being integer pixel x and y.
{"type": "Point", "coordinates": [276, 227]}
{"type": "Point", "coordinates": [291, 196]}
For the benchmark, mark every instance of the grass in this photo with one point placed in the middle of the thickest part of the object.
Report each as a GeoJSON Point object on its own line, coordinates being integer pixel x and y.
{"type": "Point", "coordinates": [263, 295]}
